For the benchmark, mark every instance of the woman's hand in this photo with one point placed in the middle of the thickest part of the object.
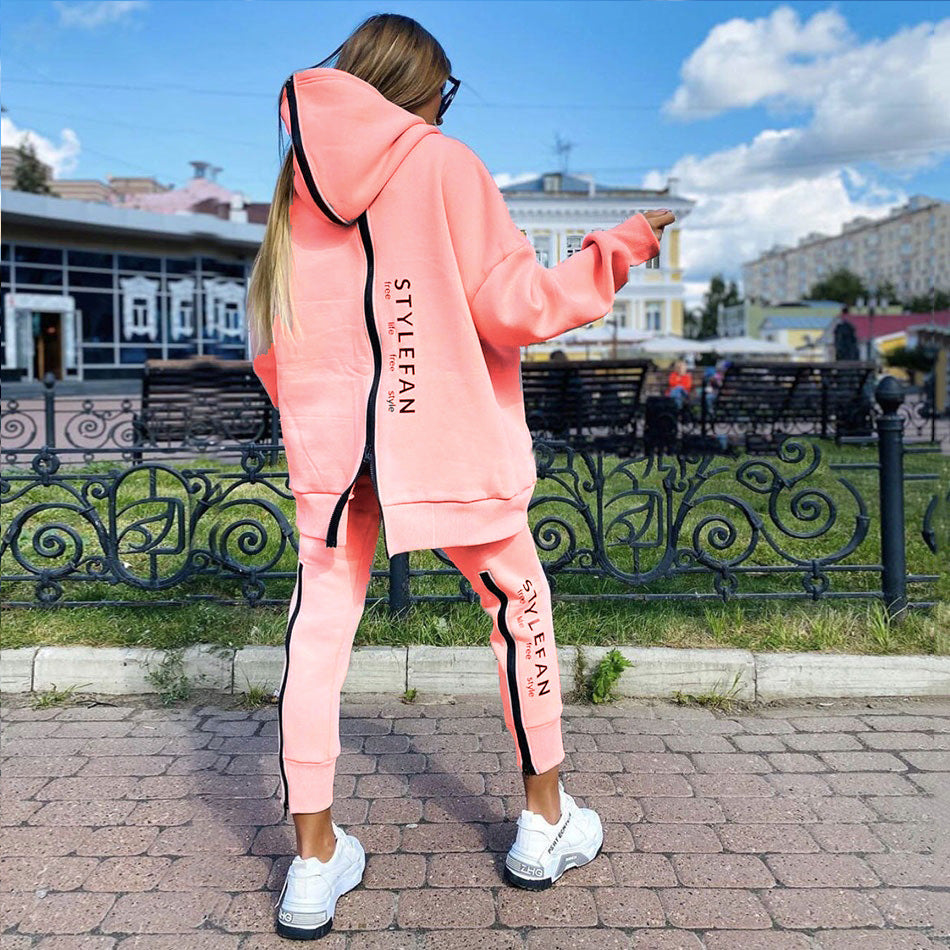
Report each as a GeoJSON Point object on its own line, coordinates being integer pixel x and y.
{"type": "Point", "coordinates": [659, 220]}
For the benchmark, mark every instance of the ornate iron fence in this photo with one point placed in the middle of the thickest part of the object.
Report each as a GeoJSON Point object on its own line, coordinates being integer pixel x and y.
{"type": "Point", "coordinates": [644, 526]}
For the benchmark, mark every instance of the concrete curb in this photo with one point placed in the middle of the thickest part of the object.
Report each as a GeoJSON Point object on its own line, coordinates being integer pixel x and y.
{"type": "Point", "coordinates": [657, 672]}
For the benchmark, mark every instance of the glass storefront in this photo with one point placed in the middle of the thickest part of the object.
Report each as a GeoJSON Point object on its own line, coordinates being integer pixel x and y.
{"type": "Point", "coordinates": [105, 311]}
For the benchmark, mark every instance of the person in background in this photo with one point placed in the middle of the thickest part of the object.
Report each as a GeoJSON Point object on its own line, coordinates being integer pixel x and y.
{"type": "Point", "coordinates": [679, 383]}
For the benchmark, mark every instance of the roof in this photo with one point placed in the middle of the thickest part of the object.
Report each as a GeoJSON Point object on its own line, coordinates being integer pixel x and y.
{"type": "Point", "coordinates": [575, 185]}
{"type": "Point", "coordinates": [886, 324]}
{"type": "Point", "coordinates": [25, 208]}
{"type": "Point", "coordinates": [796, 323]}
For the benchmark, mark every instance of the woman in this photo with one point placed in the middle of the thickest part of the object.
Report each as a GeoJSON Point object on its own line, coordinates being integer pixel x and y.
{"type": "Point", "coordinates": [679, 383]}
{"type": "Point", "coordinates": [387, 307]}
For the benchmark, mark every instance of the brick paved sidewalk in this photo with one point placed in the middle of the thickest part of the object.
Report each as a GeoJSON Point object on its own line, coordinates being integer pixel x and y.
{"type": "Point", "coordinates": [128, 825]}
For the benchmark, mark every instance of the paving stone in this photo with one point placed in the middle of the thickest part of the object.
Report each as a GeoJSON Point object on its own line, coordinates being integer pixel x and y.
{"type": "Point", "coordinates": [29, 873]}
{"type": "Point", "coordinates": [821, 870]}
{"type": "Point", "coordinates": [721, 870]}
{"type": "Point", "coordinates": [682, 810]}
{"type": "Point", "coordinates": [903, 869]}
{"type": "Point", "coordinates": [642, 870]}
{"type": "Point", "coordinates": [72, 912]}
{"type": "Point", "coordinates": [713, 908]}
{"type": "Point", "coordinates": [755, 940]}
{"type": "Point", "coordinates": [672, 838]}
{"type": "Point", "coordinates": [628, 907]}
{"type": "Point", "coordinates": [759, 839]}
{"type": "Point", "coordinates": [779, 809]}
{"type": "Point", "coordinates": [787, 827]}
{"type": "Point", "coordinates": [818, 908]}
{"type": "Point", "coordinates": [839, 838]}
{"type": "Point", "coordinates": [874, 940]}
{"type": "Point", "coordinates": [863, 761]}
{"type": "Point", "coordinates": [558, 906]}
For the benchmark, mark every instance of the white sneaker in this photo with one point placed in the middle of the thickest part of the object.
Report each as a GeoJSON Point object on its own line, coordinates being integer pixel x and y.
{"type": "Point", "coordinates": [308, 898]}
{"type": "Point", "coordinates": [542, 852]}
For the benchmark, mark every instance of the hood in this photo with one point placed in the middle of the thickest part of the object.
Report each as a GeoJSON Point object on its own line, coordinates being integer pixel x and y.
{"type": "Point", "coordinates": [348, 139]}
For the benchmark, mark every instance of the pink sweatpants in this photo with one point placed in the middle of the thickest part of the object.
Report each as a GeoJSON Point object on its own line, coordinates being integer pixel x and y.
{"type": "Point", "coordinates": [325, 610]}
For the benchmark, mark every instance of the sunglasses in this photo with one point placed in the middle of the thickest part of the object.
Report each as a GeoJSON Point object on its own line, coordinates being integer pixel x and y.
{"type": "Point", "coordinates": [447, 97]}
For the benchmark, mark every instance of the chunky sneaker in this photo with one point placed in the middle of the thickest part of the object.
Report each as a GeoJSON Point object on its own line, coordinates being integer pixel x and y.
{"type": "Point", "coordinates": [543, 852]}
{"type": "Point", "coordinates": [311, 889]}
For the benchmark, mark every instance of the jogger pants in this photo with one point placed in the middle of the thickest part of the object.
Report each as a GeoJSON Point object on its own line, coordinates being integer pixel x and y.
{"type": "Point", "coordinates": [325, 609]}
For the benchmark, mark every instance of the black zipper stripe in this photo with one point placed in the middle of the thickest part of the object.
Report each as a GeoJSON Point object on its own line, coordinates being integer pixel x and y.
{"type": "Point", "coordinates": [297, 140]}
{"type": "Point", "coordinates": [370, 443]}
{"type": "Point", "coordinates": [527, 765]}
{"type": "Point", "coordinates": [283, 686]}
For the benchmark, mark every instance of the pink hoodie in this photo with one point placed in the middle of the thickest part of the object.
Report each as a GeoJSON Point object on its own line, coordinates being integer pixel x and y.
{"type": "Point", "coordinates": [414, 291]}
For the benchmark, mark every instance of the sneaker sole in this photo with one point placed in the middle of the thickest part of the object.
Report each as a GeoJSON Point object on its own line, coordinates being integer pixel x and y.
{"type": "Point", "coordinates": [314, 933]}
{"type": "Point", "coordinates": [541, 884]}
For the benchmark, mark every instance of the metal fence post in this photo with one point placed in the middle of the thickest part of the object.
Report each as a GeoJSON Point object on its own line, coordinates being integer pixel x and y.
{"type": "Point", "coordinates": [49, 404]}
{"type": "Point", "coordinates": [890, 448]}
{"type": "Point", "coordinates": [273, 435]}
{"type": "Point", "coordinates": [399, 596]}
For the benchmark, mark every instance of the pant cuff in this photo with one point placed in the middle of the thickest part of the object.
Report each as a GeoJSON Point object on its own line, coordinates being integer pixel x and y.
{"type": "Point", "coordinates": [310, 785]}
{"type": "Point", "coordinates": [546, 745]}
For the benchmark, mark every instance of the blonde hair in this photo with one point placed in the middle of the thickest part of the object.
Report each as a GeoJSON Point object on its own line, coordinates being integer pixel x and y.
{"type": "Point", "coordinates": [408, 66]}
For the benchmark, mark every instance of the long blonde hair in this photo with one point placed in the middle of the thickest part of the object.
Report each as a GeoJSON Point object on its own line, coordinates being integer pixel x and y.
{"type": "Point", "coordinates": [408, 66]}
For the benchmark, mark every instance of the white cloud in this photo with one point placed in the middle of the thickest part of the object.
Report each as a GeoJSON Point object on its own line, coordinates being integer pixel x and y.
{"type": "Point", "coordinates": [886, 102]}
{"type": "Point", "coordinates": [62, 157]}
{"type": "Point", "coordinates": [96, 13]}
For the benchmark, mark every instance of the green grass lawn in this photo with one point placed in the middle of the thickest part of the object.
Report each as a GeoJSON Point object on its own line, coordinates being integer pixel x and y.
{"type": "Point", "coordinates": [757, 495]}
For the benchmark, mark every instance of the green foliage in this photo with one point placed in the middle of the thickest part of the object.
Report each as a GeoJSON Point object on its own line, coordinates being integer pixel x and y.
{"type": "Point", "coordinates": [716, 698]}
{"type": "Point", "coordinates": [54, 696]}
{"type": "Point", "coordinates": [409, 695]}
{"type": "Point", "coordinates": [606, 674]}
{"type": "Point", "coordinates": [169, 677]}
{"type": "Point", "coordinates": [30, 174]}
{"type": "Point", "coordinates": [915, 360]}
{"type": "Point", "coordinates": [924, 303]}
{"type": "Point", "coordinates": [704, 321]}
{"type": "Point", "coordinates": [598, 686]}
{"type": "Point", "coordinates": [842, 285]}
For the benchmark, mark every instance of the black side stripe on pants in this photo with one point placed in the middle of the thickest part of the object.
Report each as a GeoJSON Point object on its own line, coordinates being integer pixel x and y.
{"type": "Point", "coordinates": [527, 766]}
{"type": "Point", "coordinates": [283, 685]}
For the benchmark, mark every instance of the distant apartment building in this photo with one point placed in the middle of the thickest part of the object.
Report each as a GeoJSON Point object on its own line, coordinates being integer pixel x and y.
{"type": "Point", "coordinates": [910, 248]}
{"type": "Point", "coordinates": [556, 210]}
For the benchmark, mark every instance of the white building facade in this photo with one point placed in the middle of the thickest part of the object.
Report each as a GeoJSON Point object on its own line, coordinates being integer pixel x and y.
{"type": "Point", "coordinates": [555, 211]}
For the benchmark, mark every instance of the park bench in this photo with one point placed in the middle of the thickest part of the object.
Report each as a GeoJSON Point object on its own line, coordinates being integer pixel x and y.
{"type": "Point", "coordinates": [200, 401]}
{"type": "Point", "coordinates": [767, 400]}
{"type": "Point", "coordinates": [589, 403]}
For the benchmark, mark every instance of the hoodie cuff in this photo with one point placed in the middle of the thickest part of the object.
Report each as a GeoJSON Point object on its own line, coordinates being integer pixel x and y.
{"type": "Point", "coordinates": [639, 238]}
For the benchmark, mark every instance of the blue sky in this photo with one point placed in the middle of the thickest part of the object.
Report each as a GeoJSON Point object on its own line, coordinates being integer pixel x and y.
{"type": "Point", "coordinates": [777, 119]}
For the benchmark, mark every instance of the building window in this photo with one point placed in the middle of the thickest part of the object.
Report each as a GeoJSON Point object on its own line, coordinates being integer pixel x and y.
{"type": "Point", "coordinates": [542, 249]}
{"type": "Point", "coordinates": [139, 307]}
{"type": "Point", "coordinates": [654, 315]}
{"type": "Point", "coordinates": [618, 314]}
{"type": "Point", "coordinates": [654, 262]}
{"type": "Point", "coordinates": [552, 182]}
{"type": "Point", "coordinates": [573, 244]}
{"type": "Point", "coordinates": [182, 293]}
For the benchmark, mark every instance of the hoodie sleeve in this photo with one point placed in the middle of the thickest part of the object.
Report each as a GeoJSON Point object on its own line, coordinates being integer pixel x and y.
{"type": "Point", "coordinates": [514, 299]}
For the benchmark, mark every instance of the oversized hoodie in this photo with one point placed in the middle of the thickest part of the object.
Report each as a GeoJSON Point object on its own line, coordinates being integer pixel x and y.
{"type": "Point", "coordinates": [414, 291]}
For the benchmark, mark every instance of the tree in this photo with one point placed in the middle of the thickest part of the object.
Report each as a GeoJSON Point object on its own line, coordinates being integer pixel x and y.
{"type": "Point", "coordinates": [717, 294]}
{"type": "Point", "coordinates": [916, 360]}
{"type": "Point", "coordinates": [841, 285]}
{"type": "Point", "coordinates": [925, 302]}
{"type": "Point", "coordinates": [30, 173]}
